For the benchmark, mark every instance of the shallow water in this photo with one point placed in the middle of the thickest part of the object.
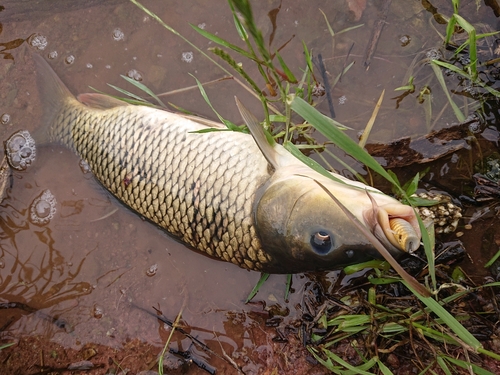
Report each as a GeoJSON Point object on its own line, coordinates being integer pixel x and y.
{"type": "Point", "coordinates": [96, 264]}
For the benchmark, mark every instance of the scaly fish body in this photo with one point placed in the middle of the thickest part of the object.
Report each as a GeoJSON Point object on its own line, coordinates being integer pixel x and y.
{"type": "Point", "coordinates": [216, 192]}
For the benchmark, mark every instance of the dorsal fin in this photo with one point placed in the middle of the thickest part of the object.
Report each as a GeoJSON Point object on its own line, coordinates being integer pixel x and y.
{"type": "Point", "coordinates": [100, 101]}
{"type": "Point", "coordinates": [259, 136]}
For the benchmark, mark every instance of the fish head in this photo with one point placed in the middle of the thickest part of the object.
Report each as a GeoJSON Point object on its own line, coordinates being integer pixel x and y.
{"type": "Point", "coordinates": [303, 229]}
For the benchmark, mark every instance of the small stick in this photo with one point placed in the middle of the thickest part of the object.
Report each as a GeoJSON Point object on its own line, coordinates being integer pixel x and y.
{"type": "Point", "coordinates": [376, 32]}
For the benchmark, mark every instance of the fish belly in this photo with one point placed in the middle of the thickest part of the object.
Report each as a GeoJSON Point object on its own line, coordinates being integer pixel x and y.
{"type": "Point", "coordinates": [199, 187]}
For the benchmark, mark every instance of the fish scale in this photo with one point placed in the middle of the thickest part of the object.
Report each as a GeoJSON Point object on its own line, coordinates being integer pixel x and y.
{"type": "Point", "coordinates": [200, 187]}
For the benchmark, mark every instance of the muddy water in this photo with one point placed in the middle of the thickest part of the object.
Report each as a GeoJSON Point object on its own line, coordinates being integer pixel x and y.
{"type": "Point", "coordinates": [95, 266]}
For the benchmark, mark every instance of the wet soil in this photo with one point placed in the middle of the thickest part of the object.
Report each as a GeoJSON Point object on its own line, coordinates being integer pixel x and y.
{"type": "Point", "coordinates": [85, 286]}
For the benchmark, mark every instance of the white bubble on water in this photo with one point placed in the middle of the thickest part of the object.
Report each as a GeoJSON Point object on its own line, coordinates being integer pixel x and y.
{"type": "Point", "coordinates": [135, 75]}
{"type": "Point", "coordinates": [52, 55]}
{"type": "Point", "coordinates": [5, 119]}
{"type": "Point", "coordinates": [69, 59]}
{"type": "Point", "coordinates": [43, 208]}
{"type": "Point", "coordinates": [187, 57]}
{"type": "Point", "coordinates": [151, 271]}
{"type": "Point", "coordinates": [89, 65]}
{"type": "Point", "coordinates": [38, 41]}
{"type": "Point", "coordinates": [118, 35]}
{"type": "Point", "coordinates": [20, 149]}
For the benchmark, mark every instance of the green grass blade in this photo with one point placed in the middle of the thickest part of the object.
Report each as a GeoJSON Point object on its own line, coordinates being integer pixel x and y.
{"type": "Point", "coordinates": [439, 75]}
{"type": "Point", "coordinates": [3, 346]}
{"type": "Point", "coordinates": [222, 42]}
{"type": "Point", "coordinates": [137, 101]}
{"type": "Point", "coordinates": [256, 288]}
{"type": "Point", "coordinates": [385, 370]}
{"type": "Point", "coordinates": [324, 126]}
{"type": "Point", "coordinates": [448, 319]}
{"type": "Point", "coordinates": [294, 150]}
{"type": "Point", "coordinates": [228, 123]}
{"type": "Point", "coordinates": [144, 88]}
{"type": "Point", "coordinates": [477, 370]}
{"type": "Point", "coordinates": [289, 75]}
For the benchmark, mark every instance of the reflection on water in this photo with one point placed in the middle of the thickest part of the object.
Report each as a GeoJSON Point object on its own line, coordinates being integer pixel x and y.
{"type": "Point", "coordinates": [100, 269]}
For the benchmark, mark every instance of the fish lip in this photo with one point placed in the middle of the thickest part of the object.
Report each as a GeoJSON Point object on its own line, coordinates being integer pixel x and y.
{"type": "Point", "coordinates": [377, 220]}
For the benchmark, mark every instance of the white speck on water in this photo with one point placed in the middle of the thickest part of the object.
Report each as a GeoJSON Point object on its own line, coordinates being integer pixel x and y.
{"type": "Point", "coordinates": [89, 66]}
{"type": "Point", "coordinates": [202, 25]}
{"type": "Point", "coordinates": [108, 66]}
{"type": "Point", "coordinates": [159, 55]}
{"type": "Point", "coordinates": [69, 59]}
{"type": "Point", "coordinates": [52, 55]}
{"type": "Point", "coordinates": [134, 58]}
{"type": "Point", "coordinates": [296, 23]}
{"type": "Point", "coordinates": [342, 99]}
{"type": "Point", "coordinates": [187, 57]}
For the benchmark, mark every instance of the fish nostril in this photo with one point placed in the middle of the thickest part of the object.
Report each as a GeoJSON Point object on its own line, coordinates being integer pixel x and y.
{"type": "Point", "coordinates": [321, 242]}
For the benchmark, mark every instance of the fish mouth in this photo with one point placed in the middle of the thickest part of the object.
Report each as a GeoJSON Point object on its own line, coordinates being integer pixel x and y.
{"type": "Point", "coordinates": [395, 225]}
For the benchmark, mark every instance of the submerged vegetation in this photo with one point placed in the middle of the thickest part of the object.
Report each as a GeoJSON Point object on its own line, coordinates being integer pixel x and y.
{"type": "Point", "coordinates": [386, 320]}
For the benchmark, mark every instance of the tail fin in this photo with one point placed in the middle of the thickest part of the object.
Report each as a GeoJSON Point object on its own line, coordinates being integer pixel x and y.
{"type": "Point", "coordinates": [53, 94]}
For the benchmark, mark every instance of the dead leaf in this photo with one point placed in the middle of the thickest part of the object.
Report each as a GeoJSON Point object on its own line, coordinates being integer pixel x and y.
{"type": "Point", "coordinates": [356, 7]}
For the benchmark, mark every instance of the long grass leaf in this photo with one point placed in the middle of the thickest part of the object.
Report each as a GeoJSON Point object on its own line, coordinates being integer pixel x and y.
{"type": "Point", "coordinates": [448, 319]}
{"type": "Point", "coordinates": [477, 370]}
{"type": "Point", "coordinates": [324, 126]}
{"type": "Point", "coordinates": [255, 290]}
{"type": "Point", "coordinates": [228, 123]}
{"type": "Point", "coordinates": [439, 75]}
{"type": "Point", "coordinates": [144, 88]}
{"type": "Point", "coordinates": [225, 43]}
{"type": "Point", "coordinates": [371, 121]}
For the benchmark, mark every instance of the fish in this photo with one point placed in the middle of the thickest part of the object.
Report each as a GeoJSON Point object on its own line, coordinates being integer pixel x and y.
{"type": "Point", "coordinates": [229, 195]}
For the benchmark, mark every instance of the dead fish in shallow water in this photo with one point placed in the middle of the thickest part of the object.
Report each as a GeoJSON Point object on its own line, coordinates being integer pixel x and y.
{"type": "Point", "coordinates": [218, 192]}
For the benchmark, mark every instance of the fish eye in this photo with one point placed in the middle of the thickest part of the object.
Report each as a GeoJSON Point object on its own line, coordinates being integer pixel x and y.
{"type": "Point", "coordinates": [321, 242]}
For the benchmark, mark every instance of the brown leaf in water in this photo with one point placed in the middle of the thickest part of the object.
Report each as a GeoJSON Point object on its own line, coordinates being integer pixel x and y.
{"type": "Point", "coordinates": [356, 7]}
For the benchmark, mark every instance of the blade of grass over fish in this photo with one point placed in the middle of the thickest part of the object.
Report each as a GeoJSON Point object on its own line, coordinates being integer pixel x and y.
{"type": "Point", "coordinates": [139, 101]}
{"type": "Point", "coordinates": [256, 288]}
{"type": "Point", "coordinates": [137, 98]}
{"type": "Point", "coordinates": [378, 245]}
{"type": "Point", "coordinates": [324, 126]}
{"type": "Point", "coordinates": [439, 75]}
{"type": "Point", "coordinates": [371, 121]}
{"type": "Point", "coordinates": [308, 161]}
{"type": "Point", "coordinates": [144, 88]}
{"type": "Point", "coordinates": [224, 43]}
{"type": "Point", "coordinates": [228, 123]}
